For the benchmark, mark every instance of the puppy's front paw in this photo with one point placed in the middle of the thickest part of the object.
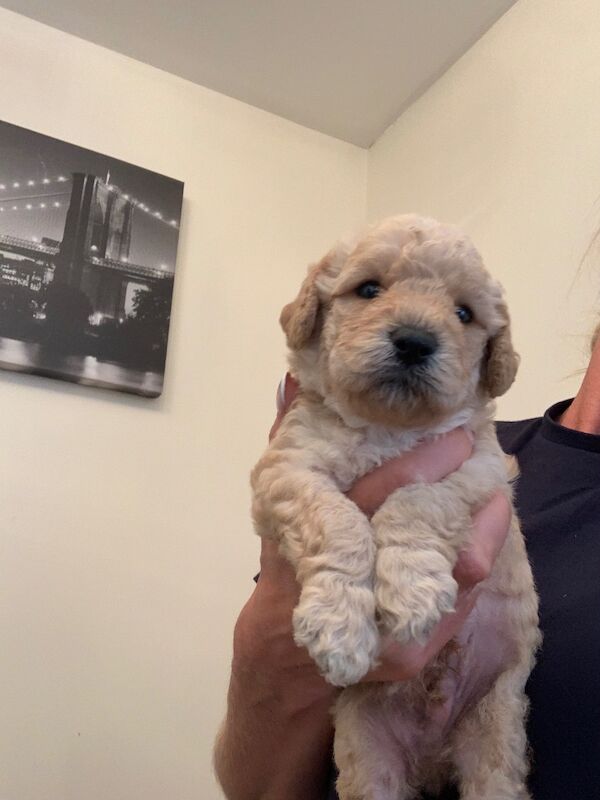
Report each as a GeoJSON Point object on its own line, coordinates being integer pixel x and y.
{"type": "Point", "coordinates": [412, 592]}
{"type": "Point", "coordinates": [335, 621]}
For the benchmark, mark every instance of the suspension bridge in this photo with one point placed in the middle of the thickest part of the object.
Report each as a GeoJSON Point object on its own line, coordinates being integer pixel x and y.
{"type": "Point", "coordinates": [93, 253]}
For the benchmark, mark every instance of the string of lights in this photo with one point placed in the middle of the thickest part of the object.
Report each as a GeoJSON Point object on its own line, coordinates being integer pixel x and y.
{"type": "Point", "coordinates": [143, 207]}
{"type": "Point", "coordinates": [8, 203]}
{"type": "Point", "coordinates": [7, 185]}
{"type": "Point", "coordinates": [10, 206]}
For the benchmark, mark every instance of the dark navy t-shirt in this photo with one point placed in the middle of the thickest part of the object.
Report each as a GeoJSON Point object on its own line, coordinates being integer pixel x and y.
{"type": "Point", "coordinates": [558, 500]}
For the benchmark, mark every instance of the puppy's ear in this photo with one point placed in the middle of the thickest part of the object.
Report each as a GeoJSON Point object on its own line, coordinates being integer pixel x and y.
{"type": "Point", "coordinates": [501, 363]}
{"type": "Point", "coordinates": [299, 318]}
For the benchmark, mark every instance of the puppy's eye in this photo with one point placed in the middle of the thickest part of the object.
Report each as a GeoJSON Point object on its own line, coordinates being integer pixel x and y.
{"type": "Point", "coordinates": [464, 314]}
{"type": "Point", "coordinates": [368, 290]}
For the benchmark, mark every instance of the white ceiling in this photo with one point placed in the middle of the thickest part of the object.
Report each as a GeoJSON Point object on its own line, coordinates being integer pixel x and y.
{"type": "Point", "coordinates": [344, 67]}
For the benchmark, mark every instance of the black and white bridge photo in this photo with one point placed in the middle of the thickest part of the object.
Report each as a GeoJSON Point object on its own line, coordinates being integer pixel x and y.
{"type": "Point", "coordinates": [87, 263]}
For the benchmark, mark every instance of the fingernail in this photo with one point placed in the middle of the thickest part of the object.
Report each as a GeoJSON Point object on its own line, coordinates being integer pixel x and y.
{"type": "Point", "coordinates": [280, 401]}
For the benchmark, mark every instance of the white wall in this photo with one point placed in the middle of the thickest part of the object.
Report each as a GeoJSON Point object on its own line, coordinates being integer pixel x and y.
{"type": "Point", "coordinates": [507, 144]}
{"type": "Point", "coordinates": [125, 544]}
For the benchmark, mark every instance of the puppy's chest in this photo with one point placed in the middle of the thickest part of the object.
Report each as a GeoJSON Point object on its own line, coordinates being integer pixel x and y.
{"type": "Point", "coordinates": [347, 454]}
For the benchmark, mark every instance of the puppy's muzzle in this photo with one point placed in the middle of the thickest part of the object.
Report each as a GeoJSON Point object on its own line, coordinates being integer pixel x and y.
{"type": "Point", "coordinates": [413, 347]}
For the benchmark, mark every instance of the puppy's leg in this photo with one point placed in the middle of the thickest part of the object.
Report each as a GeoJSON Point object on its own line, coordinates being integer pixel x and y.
{"type": "Point", "coordinates": [419, 532]}
{"type": "Point", "coordinates": [367, 753]}
{"type": "Point", "coordinates": [330, 544]}
{"type": "Point", "coordinates": [489, 745]}
{"type": "Point", "coordinates": [335, 617]}
{"type": "Point", "coordinates": [335, 621]}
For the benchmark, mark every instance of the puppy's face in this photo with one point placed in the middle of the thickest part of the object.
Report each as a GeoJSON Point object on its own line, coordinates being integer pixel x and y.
{"type": "Point", "coordinates": [405, 329]}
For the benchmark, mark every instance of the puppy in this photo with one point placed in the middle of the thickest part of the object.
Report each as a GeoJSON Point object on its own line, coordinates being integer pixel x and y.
{"type": "Point", "coordinates": [395, 339]}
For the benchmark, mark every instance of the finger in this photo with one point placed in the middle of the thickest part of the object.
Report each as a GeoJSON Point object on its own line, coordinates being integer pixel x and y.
{"type": "Point", "coordinates": [428, 462]}
{"type": "Point", "coordinates": [286, 393]}
{"type": "Point", "coordinates": [275, 425]}
{"type": "Point", "coordinates": [291, 387]}
{"type": "Point", "coordinates": [490, 529]}
{"type": "Point", "coordinates": [273, 566]}
{"type": "Point", "coordinates": [451, 624]}
{"type": "Point", "coordinates": [403, 662]}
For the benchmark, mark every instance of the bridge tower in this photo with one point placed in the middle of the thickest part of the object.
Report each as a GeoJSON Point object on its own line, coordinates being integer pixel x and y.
{"type": "Point", "coordinates": [98, 224]}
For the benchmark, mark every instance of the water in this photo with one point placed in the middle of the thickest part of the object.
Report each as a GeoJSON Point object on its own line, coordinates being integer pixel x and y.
{"type": "Point", "coordinates": [87, 370]}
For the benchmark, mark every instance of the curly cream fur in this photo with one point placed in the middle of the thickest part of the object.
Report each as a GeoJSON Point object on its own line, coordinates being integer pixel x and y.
{"type": "Point", "coordinates": [392, 574]}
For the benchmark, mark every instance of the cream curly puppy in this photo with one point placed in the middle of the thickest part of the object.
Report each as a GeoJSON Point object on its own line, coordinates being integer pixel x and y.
{"type": "Point", "coordinates": [394, 339]}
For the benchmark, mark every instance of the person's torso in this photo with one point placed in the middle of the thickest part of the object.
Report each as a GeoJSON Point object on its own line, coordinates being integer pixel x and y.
{"type": "Point", "coordinates": [558, 501]}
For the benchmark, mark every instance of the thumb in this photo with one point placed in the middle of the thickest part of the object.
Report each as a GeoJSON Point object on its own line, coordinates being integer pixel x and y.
{"type": "Point", "coordinates": [286, 394]}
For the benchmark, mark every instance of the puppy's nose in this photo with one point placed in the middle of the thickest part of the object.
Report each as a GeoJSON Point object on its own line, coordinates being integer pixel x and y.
{"type": "Point", "coordinates": [413, 346]}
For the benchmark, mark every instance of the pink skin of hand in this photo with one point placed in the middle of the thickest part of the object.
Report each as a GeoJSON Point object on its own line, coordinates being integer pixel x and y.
{"type": "Point", "coordinates": [431, 461]}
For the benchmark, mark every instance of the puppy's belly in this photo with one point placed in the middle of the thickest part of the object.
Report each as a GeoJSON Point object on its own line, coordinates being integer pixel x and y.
{"type": "Point", "coordinates": [412, 721]}
{"type": "Point", "coordinates": [487, 645]}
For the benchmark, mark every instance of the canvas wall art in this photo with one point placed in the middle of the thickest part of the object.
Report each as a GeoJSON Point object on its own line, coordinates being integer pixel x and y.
{"type": "Point", "coordinates": [88, 247]}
